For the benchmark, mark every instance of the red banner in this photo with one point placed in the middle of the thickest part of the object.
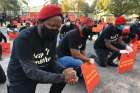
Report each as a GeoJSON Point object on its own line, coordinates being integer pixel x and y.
{"type": "Point", "coordinates": [127, 61]}
{"type": "Point", "coordinates": [5, 48]}
{"type": "Point", "coordinates": [91, 76]}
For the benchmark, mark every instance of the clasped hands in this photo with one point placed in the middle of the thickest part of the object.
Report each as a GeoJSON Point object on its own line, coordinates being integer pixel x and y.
{"type": "Point", "coordinates": [70, 76]}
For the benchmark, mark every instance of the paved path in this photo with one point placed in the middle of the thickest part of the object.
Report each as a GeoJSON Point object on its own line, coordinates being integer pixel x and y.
{"type": "Point", "coordinates": [112, 82]}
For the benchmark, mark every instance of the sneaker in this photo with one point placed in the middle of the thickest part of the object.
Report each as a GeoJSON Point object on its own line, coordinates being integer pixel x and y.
{"type": "Point", "coordinates": [116, 61]}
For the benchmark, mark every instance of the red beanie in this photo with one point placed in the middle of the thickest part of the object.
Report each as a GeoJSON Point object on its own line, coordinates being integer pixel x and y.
{"type": "Point", "coordinates": [120, 20]}
{"type": "Point", "coordinates": [48, 11]}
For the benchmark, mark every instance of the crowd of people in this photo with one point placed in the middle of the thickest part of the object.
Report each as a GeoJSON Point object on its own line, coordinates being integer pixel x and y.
{"type": "Point", "coordinates": [36, 57]}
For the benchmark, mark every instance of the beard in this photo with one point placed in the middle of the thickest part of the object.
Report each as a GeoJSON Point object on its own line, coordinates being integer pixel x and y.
{"type": "Point", "coordinates": [48, 34]}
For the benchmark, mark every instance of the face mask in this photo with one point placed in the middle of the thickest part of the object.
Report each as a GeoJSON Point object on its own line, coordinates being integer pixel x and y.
{"type": "Point", "coordinates": [48, 34]}
{"type": "Point", "coordinates": [67, 23]}
{"type": "Point", "coordinates": [86, 32]}
{"type": "Point", "coordinates": [120, 27]}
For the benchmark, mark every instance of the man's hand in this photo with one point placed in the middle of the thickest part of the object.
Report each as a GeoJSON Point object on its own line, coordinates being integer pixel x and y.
{"type": "Point", "coordinates": [90, 61]}
{"type": "Point", "coordinates": [124, 51]}
{"type": "Point", "coordinates": [70, 76]}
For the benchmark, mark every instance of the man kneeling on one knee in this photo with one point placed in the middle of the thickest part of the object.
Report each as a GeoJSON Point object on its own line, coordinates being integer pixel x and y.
{"type": "Point", "coordinates": [110, 41]}
{"type": "Point", "coordinates": [71, 50]}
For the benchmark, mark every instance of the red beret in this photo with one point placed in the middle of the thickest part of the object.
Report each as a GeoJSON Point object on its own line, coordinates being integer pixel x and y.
{"type": "Point", "coordinates": [48, 11]}
{"type": "Point", "coordinates": [120, 20]}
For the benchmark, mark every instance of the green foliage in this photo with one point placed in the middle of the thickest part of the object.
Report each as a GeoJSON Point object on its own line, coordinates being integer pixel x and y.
{"type": "Point", "coordinates": [78, 6]}
{"type": "Point", "coordinates": [102, 5]}
{"type": "Point", "coordinates": [54, 1]}
{"type": "Point", "coordinates": [25, 2]}
{"type": "Point", "coordinates": [93, 6]}
{"type": "Point", "coordinates": [66, 6]}
{"type": "Point", "coordinates": [120, 7]}
{"type": "Point", "coordinates": [9, 5]}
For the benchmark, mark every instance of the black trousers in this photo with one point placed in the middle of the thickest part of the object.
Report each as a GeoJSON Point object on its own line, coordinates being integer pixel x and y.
{"type": "Point", "coordinates": [106, 56]}
{"type": "Point", "coordinates": [30, 86]}
{"type": "Point", "coordinates": [2, 75]}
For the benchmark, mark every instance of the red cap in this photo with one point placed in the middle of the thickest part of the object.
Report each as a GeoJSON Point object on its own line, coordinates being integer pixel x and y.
{"type": "Point", "coordinates": [48, 11]}
{"type": "Point", "coordinates": [120, 20]}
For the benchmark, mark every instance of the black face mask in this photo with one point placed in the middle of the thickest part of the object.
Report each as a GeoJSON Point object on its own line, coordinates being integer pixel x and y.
{"type": "Point", "coordinates": [86, 32]}
{"type": "Point", "coordinates": [48, 34]}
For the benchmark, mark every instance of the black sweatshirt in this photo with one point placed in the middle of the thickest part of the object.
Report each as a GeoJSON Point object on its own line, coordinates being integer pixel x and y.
{"type": "Point", "coordinates": [34, 59]}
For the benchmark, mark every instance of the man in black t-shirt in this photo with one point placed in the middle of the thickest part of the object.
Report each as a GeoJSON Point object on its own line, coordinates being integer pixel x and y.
{"type": "Point", "coordinates": [110, 41]}
{"type": "Point", "coordinates": [68, 26]}
{"type": "Point", "coordinates": [33, 58]}
{"type": "Point", "coordinates": [71, 50]}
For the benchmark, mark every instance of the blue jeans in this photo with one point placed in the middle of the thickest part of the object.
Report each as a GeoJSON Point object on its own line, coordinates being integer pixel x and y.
{"type": "Point", "coordinates": [69, 61]}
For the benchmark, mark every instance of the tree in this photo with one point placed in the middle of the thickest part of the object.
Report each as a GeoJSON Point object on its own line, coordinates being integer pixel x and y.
{"type": "Point", "coordinates": [80, 5]}
{"type": "Point", "coordinates": [102, 5]}
{"type": "Point", "coordinates": [136, 10]}
{"type": "Point", "coordinates": [86, 8]}
{"type": "Point", "coordinates": [93, 6]}
{"type": "Point", "coordinates": [66, 5]}
{"type": "Point", "coordinates": [25, 2]}
{"type": "Point", "coordinates": [120, 7]}
{"type": "Point", "coordinates": [9, 5]}
{"type": "Point", "coordinates": [75, 5]}
{"type": "Point", "coordinates": [54, 1]}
